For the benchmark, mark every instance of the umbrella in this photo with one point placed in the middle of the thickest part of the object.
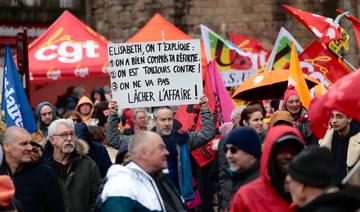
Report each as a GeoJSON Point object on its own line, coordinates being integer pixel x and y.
{"type": "Point", "coordinates": [267, 85]}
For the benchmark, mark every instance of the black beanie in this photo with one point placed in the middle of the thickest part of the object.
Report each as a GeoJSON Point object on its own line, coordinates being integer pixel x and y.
{"type": "Point", "coordinates": [246, 139]}
{"type": "Point", "coordinates": [312, 167]}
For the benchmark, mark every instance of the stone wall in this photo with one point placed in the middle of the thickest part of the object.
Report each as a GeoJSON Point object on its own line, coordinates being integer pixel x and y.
{"type": "Point", "coordinates": [118, 20]}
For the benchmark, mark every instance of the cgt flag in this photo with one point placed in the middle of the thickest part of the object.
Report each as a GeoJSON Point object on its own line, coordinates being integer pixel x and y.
{"type": "Point", "coordinates": [14, 101]}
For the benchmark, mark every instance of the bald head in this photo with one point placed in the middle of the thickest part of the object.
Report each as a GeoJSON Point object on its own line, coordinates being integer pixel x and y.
{"type": "Point", "coordinates": [148, 150]}
{"type": "Point", "coordinates": [12, 134]}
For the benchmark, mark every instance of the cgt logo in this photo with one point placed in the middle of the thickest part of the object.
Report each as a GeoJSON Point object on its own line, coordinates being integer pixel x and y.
{"type": "Point", "coordinates": [81, 72]}
{"type": "Point", "coordinates": [66, 50]}
{"type": "Point", "coordinates": [54, 74]}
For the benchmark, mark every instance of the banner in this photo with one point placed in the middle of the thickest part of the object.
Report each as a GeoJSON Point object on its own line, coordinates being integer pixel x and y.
{"type": "Point", "coordinates": [234, 64]}
{"type": "Point", "coordinates": [280, 54]}
{"type": "Point", "coordinates": [14, 101]}
{"type": "Point", "coordinates": [156, 73]}
{"type": "Point", "coordinates": [317, 62]}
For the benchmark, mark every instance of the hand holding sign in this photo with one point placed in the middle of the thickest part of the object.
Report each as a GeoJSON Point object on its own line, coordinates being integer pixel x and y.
{"type": "Point", "coordinates": [156, 73]}
{"type": "Point", "coordinates": [113, 106]}
{"type": "Point", "coordinates": [204, 102]}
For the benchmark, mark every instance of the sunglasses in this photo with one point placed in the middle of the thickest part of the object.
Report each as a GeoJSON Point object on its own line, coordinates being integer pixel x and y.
{"type": "Point", "coordinates": [232, 149]}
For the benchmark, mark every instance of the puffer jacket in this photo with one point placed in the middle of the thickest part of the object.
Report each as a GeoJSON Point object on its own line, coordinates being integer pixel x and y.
{"type": "Point", "coordinates": [130, 188]}
{"type": "Point", "coordinates": [79, 180]}
{"type": "Point", "coordinates": [260, 194]}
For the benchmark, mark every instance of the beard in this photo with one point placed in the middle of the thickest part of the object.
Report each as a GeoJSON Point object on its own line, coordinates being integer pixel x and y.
{"type": "Point", "coordinates": [68, 147]}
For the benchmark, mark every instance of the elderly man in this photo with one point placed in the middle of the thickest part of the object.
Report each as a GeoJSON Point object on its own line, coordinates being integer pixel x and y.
{"type": "Point", "coordinates": [36, 185]}
{"type": "Point", "coordinates": [78, 174]}
{"type": "Point", "coordinates": [148, 154]}
{"type": "Point", "coordinates": [139, 118]}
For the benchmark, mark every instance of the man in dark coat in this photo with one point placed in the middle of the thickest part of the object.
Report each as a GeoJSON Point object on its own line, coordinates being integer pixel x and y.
{"type": "Point", "coordinates": [243, 150]}
{"type": "Point", "coordinates": [36, 184]}
{"type": "Point", "coordinates": [77, 173]}
{"type": "Point", "coordinates": [309, 182]}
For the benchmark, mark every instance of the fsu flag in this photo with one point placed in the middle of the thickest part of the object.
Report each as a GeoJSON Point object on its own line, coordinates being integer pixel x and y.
{"type": "Point", "coordinates": [356, 25]}
{"type": "Point", "coordinates": [323, 27]}
{"type": "Point", "coordinates": [317, 62]}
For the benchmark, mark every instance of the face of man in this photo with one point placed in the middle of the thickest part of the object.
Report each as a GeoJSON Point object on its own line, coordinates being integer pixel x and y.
{"type": "Point", "coordinates": [293, 104]}
{"type": "Point", "coordinates": [238, 159]}
{"type": "Point", "coordinates": [340, 122]}
{"type": "Point", "coordinates": [164, 122]}
{"type": "Point", "coordinates": [46, 115]}
{"type": "Point", "coordinates": [140, 120]}
{"type": "Point", "coordinates": [20, 149]}
{"type": "Point", "coordinates": [85, 109]}
{"type": "Point", "coordinates": [284, 153]}
{"type": "Point", "coordinates": [296, 190]}
{"type": "Point", "coordinates": [156, 153]}
{"type": "Point", "coordinates": [63, 140]}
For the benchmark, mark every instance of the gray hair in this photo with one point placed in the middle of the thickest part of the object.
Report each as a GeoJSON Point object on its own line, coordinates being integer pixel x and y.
{"type": "Point", "coordinates": [137, 141]}
{"type": "Point", "coordinates": [137, 111]}
{"type": "Point", "coordinates": [236, 112]}
{"type": "Point", "coordinates": [156, 110]}
{"type": "Point", "coordinates": [54, 125]}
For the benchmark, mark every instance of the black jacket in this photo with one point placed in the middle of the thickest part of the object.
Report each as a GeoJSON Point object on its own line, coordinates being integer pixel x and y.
{"type": "Point", "coordinates": [36, 187]}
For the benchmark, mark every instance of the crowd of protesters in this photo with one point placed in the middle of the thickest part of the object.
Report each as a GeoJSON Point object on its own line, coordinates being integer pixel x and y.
{"type": "Point", "coordinates": [90, 156]}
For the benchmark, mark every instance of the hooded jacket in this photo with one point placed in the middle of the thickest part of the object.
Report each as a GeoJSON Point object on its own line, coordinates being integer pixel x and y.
{"type": "Point", "coordinates": [85, 118]}
{"type": "Point", "coordinates": [79, 180]}
{"type": "Point", "coordinates": [261, 194]}
{"type": "Point", "coordinates": [42, 133]}
{"type": "Point", "coordinates": [130, 188]}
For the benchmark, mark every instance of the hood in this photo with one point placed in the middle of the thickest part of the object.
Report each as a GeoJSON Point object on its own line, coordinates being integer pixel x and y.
{"type": "Point", "coordinates": [81, 147]}
{"type": "Point", "coordinates": [272, 136]}
{"type": "Point", "coordinates": [115, 169]}
{"type": "Point", "coordinates": [82, 101]}
{"type": "Point", "coordinates": [41, 105]}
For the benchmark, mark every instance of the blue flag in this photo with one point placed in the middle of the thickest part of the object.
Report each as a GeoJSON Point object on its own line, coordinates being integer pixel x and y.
{"type": "Point", "coordinates": [14, 101]}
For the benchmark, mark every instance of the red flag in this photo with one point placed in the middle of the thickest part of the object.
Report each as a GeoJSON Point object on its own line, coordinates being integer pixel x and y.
{"type": "Point", "coordinates": [190, 118]}
{"type": "Point", "coordinates": [321, 64]}
{"type": "Point", "coordinates": [323, 27]}
{"type": "Point", "coordinates": [342, 96]}
{"type": "Point", "coordinates": [249, 44]}
{"type": "Point", "coordinates": [356, 25]}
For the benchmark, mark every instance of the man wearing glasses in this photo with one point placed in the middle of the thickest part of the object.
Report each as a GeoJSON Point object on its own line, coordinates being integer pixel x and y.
{"type": "Point", "coordinates": [243, 150]}
{"type": "Point", "coordinates": [78, 174]}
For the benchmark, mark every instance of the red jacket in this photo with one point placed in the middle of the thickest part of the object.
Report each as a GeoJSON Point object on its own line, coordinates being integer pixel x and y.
{"type": "Point", "coordinates": [260, 194]}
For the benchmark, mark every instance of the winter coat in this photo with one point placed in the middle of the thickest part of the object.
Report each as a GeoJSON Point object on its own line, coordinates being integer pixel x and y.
{"type": "Point", "coordinates": [97, 151]}
{"type": "Point", "coordinates": [335, 200]}
{"type": "Point", "coordinates": [41, 136]}
{"type": "Point", "coordinates": [303, 124]}
{"type": "Point", "coordinates": [36, 187]}
{"type": "Point", "coordinates": [353, 152]}
{"type": "Point", "coordinates": [114, 138]}
{"type": "Point", "coordinates": [261, 194]}
{"type": "Point", "coordinates": [139, 193]}
{"type": "Point", "coordinates": [224, 178]}
{"type": "Point", "coordinates": [79, 179]}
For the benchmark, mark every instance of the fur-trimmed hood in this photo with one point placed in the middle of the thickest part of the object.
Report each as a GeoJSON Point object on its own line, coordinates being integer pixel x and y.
{"type": "Point", "coordinates": [81, 147]}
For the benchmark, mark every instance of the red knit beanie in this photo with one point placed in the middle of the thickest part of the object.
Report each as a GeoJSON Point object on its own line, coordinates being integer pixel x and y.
{"type": "Point", "coordinates": [290, 91]}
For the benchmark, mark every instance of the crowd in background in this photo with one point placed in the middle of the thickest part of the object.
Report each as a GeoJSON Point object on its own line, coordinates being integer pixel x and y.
{"type": "Point", "coordinates": [90, 156]}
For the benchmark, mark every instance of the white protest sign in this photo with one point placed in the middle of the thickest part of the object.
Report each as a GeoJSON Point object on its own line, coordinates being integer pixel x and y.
{"type": "Point", "coordinates": [155, 73]}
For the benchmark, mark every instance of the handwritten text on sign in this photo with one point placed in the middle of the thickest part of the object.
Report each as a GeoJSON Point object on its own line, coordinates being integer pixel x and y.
{"type": "Point", "coordinates": [156, 73]}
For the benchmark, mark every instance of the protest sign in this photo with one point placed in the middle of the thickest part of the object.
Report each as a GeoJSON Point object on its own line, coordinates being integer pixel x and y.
{"type": "Point", "coordinates": [155, 73]}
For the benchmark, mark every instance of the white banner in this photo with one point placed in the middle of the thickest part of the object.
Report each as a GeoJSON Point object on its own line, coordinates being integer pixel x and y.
{"type": "Point", "coordinates": [155, 73]}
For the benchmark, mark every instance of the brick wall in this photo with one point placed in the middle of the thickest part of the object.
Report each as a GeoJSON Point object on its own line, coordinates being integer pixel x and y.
{"type": "Point", "coordinates": [261, 19]}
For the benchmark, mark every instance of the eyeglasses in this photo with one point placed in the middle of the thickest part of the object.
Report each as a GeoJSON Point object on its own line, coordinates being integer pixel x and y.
{"type": "Point", "coordinates": [64, 135]}
{"type": "Point", "coordinates": [232, 149]}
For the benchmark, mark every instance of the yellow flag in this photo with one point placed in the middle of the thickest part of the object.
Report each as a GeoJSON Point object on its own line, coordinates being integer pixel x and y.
{"type": "Point", "coordinates": [296, 78]}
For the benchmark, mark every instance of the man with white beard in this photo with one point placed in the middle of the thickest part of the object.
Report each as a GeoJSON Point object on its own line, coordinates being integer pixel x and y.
{"type": "Point", "coordinates": [243, 151]}
{"type": "Point", "coordinates": [77, 173]}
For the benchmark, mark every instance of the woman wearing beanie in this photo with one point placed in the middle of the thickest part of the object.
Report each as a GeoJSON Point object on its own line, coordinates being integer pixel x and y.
{"type": "Point", "coordinates": [293, 105]}
{"type": "Point", "coordinates": [253, 116]}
